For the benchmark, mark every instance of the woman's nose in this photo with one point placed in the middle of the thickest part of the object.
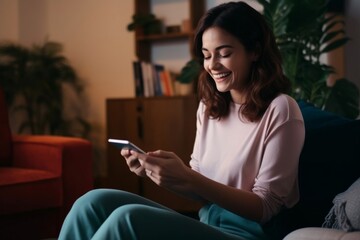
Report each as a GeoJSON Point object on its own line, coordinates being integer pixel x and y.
{"type": "Point", "coordinates": [214, 63]}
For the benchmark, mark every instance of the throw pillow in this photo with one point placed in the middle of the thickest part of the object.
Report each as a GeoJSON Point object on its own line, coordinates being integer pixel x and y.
{"type": "Point", "coordinates": [345, 214]}
{"type": "Point", "coordinates": [315, 117]}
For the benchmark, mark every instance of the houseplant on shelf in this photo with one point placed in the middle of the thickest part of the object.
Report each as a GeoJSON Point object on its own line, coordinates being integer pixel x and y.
{"type": "Point", "coordinates": [186, 81]}
{"type": "Point", "coordinates": [304, 31]}
{"type": "Point", "coordinates": [33, 80]}
{"type": "Point", "coordinates": [148, 23]}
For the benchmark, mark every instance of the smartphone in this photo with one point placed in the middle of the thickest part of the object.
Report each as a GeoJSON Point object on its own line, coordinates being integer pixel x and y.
{"type": "Point", "coordinates": [119, 143]}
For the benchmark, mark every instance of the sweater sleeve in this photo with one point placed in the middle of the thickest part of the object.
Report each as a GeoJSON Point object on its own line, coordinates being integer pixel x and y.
{"type": "Point", "coordinates": [194, 162]}
{"type": "Point", "coordinates": [277, 180]}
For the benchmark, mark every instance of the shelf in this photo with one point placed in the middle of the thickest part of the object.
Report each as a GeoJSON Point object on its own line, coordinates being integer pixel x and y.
{"type": "Point", "coordinates": [165, 36]}
{"type": "Point", "coordinates": [143, 43]}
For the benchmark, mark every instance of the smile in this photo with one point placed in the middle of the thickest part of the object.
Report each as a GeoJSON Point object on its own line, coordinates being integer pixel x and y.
{"type": "Point", "coordinates": [220, 75]}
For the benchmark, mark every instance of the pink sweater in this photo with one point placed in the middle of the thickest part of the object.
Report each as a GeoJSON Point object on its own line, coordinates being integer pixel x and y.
{"type": "Point", "coordinates": [261, 157]}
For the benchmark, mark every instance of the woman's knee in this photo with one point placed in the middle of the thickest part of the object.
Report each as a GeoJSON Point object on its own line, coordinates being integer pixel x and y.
{"type": "Point", "coordinates": [134, 213]}
{"type": "Point", "coordinates": [98, 196]}
{"type": "Point", "coordinates": [91, 196]}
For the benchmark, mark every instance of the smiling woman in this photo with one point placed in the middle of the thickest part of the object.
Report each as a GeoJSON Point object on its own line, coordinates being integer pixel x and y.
{"type": "Point", "coordinates": [257, 67]}
{"type": "Point", "coordinates": [244, 165]}
{"type": "Point", "coordinates": [227, 62]}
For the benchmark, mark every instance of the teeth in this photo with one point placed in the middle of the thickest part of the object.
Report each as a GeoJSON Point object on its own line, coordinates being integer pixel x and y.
{"type": "Point", "coordinates": [221, 75]}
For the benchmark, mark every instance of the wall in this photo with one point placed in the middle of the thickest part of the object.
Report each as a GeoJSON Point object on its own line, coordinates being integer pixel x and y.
{"type": "Point", "coordinates": [252, 3]}
{"type": "Point", "coordinates": [101, 49]}
{"type": "Point", "coordinates": [9, 20]}
{"type": "Point", "coordinates": [33, 21]}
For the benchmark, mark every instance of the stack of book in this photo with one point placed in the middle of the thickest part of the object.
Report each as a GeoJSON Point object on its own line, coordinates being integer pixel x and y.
{"type": "Point", "coordinates": [153, 80]}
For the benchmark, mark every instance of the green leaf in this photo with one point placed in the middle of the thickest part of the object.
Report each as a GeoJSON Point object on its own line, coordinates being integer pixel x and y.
{"type": "Point", "coordinates": [331, 35]}
{"type": "Point", "coordinates": [336, 44]}
{"type": "Point", "coordinates": [189, 72]}
{"type": "Point", "coordinates": [332, 24]}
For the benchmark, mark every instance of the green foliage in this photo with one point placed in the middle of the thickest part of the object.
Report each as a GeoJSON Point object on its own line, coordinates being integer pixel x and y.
{"type": "Point", "coordinates": [147, 22]}
{"type": "Point", "coordinates": [33, 80]}
{"type": "Point", "coordinates": [190, 72]}
{"type": "Point", "coordinates": [304, 31]}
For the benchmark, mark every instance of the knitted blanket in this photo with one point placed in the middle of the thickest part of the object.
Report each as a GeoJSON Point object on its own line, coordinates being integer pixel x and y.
{"type": "Point", "coordinates": [345, 214]}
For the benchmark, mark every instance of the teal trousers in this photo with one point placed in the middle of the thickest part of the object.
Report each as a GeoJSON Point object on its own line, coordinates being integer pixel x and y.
{"type": "Point", "coordinates": [108, 214]}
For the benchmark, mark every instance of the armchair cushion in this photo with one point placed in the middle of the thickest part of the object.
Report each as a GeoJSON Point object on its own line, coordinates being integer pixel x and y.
{"type": "Point", "coordinates": [5, 134]}
{"type": "Point", "coordinates": [18, 185]}
{"type": "Point", "coordinates": [63, 157]}
{"type": "Point", "coordinates": [47, 175]}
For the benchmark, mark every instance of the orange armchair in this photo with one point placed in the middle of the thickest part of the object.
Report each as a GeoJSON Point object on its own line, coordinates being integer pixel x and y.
{"type": "Point", "coordinates": [40, 178]}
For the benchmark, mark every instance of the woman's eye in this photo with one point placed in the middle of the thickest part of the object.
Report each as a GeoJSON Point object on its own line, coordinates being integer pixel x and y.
{"type": "Point", "coordinates": [207, 57]}
{"type": "Point", "coordinates": [225, 55]}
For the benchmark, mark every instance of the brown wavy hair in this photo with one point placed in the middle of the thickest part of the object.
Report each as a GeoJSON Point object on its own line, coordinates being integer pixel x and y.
{"type": "Point", "coordinates": [266, 79]}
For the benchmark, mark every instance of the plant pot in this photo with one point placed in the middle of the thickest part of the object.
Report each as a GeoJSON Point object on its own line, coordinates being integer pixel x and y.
{"type": "Point", "coordinates": [184, 89]}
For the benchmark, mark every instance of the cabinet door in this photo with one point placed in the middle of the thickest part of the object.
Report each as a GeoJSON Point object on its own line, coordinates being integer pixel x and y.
{"type": "Point", "coordinates": [123, 118]}
{"type": "Point", "coordinates": [170, 124]}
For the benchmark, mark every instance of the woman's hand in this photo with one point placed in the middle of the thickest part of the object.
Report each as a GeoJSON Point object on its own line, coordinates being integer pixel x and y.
{"type": "Point", "coordinates": [166, 169]}
{"type": "Point", "coordinates": [133, 162]}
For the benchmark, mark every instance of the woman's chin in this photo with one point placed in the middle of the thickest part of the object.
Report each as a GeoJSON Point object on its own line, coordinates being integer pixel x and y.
{"type": "Point", "coordinates": [222, 86]}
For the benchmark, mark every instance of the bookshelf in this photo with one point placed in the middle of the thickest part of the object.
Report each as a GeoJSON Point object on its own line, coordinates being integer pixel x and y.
{"type": "Point", "coordinates": [143, 43]}
{"type": "Point", "coordinates": [170, 49]}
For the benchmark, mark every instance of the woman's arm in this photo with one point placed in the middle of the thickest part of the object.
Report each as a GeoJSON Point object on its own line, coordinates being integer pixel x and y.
{"type": "Point", "coordinates": [244, 203]}
{"type": "Point", "coordinates": [167, 170]}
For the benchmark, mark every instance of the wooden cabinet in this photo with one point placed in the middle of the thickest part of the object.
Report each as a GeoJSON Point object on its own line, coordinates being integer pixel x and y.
{"type": "Point", "coordinates": [167, 123]}
{"type": "Point", "coordinates": [143, 42]}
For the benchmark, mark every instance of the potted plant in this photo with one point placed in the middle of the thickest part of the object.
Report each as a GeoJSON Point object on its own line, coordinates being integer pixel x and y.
{"type": "Point", "coordinates": [147, 23]}
{"type": "Point", "coordinates": [33, 80]}
{"type": "Point", "coordinates": [187, 79]}
{"type": "Point", "coordinates": [304, 31]}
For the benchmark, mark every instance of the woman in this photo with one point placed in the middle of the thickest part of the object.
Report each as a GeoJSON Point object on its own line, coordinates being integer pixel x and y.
{"type": "Point", "coordinates": [245, 159]}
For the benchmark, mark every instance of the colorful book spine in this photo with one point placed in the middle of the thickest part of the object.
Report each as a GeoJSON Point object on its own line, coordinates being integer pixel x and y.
{"type": "Point", "coordinates": [152, 80]}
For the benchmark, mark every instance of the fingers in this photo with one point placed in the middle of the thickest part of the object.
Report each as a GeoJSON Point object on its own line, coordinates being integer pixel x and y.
{"type": "Point", "coordinates": [162, 154]}
{"type": "Point", "coordinates": [153, 176]}
{"type": "Point", "coordinates": [153, 164]}
{"type": "Point", "coordinates": [125, 152]}
{"type": "Point", "coordinates": [132, 161]}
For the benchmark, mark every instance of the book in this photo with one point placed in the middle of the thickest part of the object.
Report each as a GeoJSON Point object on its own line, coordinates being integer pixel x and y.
{"type": "Point", "coordinates": [152, 79]}
{"type": "Point", "coordinates": [167, 83]}
{"type": "Point", "coordinates": [159, 89]}
{"type": "Point", "coordinates": [138, 77]}
{"type": "Point", "coordinates": [147, 79]}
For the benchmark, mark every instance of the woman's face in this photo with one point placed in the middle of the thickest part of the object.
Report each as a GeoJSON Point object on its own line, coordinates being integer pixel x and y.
{"type": "Point", "coordinates": [227, 61]}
